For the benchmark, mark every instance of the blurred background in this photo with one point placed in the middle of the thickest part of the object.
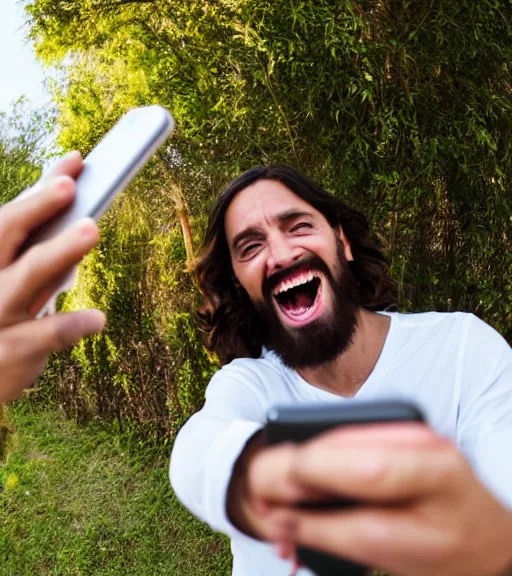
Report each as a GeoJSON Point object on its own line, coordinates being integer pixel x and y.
{"type": "Point", "coordinates": [402, 109]}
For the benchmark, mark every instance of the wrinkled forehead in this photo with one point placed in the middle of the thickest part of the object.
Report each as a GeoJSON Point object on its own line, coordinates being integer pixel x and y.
{"type": "Point", "coordinates": [261, 205]}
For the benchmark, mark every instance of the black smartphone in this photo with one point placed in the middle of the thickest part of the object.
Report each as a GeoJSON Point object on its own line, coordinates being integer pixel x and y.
{"type": "Point", "coordinates": [303, 422]}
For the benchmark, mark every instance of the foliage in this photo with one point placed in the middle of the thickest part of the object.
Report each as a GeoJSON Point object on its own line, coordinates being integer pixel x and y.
{"type": "Point", "coordinates": [147, 369]}
{"type": "Point", "coordinates": [24, 144]}
{"type": "Point", "coordinates": [403, 109]}
{"type": "Point", "coordinates": [81, 501]}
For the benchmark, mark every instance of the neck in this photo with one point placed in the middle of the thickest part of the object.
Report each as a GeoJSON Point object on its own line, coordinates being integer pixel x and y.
{"type": "Point", "coordinates": [346, 374]}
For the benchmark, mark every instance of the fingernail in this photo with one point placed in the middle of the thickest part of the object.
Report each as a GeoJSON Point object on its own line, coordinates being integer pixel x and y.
{"type": "Point", "coordinates": [284, 528]}
{"type": "Point", "coordinates": [95, 321]}
{"type": "Point", "coordinates": [85, 227]}
{"type": "Point", "coordinates": [74, 326]}
{"type": "Point", "coordinates": [283, 549]}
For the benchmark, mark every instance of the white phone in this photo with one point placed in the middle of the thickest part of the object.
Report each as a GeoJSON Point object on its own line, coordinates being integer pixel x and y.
{"type": "Point", "coordinates": [110, 167]}
{"type": "Point", "coordinates": [107, 171]}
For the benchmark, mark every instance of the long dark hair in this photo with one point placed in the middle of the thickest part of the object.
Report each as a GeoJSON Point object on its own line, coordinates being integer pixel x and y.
{"type": "Point", "coordinates": [232, 326]}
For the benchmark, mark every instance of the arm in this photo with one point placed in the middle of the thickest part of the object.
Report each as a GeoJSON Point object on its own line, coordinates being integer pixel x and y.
{"type": "Point", "coordinates": [485, 412]}
{"type": "Point", "coordinates": [427, 510]}
{"type": "Point", "coordinates": [240, 507]}
{"type": "Point", "coordinates": [208, 453]}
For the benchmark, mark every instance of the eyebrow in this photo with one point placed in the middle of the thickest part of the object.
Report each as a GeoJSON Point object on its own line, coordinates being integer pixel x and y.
{"type": "Point", "coordinates": [255, 232]}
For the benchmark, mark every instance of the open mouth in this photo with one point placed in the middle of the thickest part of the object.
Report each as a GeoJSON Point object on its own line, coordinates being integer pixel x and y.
{"type": "Point", "coordinates": [299, 297]}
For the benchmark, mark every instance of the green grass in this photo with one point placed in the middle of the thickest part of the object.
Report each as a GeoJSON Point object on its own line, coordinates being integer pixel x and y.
{"type": "Point", "coordinates": [78, 501]}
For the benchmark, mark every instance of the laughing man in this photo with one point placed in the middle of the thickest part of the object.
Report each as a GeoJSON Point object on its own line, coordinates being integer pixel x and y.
{"type": "Point", "coordinates": [297, 308]}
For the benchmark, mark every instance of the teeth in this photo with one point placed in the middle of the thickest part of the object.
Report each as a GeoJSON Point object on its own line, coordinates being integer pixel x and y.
{"type": "Point", "coordinates": [302, 278]}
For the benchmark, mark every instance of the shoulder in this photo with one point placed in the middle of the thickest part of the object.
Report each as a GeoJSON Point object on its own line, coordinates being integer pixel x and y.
{"type": "Point", "coordinates": [463, 323]}
{"type": "Point", "coordinates": [431, 319]}
{"type": "Point", "coordinates": [456, 330]}
{"type": "Point", "coordinates": [462, 332]}
{"type": "Point", "coordinates": [485, 344]}
{"type": "Point", "coordinates": [451, 325]}
{"type": "Point", "coordinates": [255, 373]}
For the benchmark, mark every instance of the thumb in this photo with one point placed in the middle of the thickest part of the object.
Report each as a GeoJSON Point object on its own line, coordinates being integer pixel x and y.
{"type": "Point", "coordinates": [25, 347]}
{"type": "Point", "coordinates": [55, 333]}
{"type": "Point", "coordinates": [37, 338]}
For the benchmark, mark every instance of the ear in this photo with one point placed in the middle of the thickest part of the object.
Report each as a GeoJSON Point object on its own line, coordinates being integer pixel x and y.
{"type": "Point", "coordinates": [346, 245]}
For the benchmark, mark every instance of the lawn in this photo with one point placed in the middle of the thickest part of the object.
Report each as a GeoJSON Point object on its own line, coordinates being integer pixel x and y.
{"type": "Point", "coordinates": [80, 501]}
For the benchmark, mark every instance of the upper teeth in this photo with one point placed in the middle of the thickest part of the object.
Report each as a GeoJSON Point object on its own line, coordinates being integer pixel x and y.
{"type": "Point", "coordinates": [302, 278]}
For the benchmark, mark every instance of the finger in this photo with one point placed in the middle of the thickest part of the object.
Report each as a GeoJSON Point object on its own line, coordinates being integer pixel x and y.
{"type": "Point", "coordinates": [399, 434]}
{"type": "Point", "coordinates": [286, 550]}
{"type": "Point", "coordinates": [269, 478]}
{"type": "Point", "coordinates": [36, 338]}
{"type": "Point", "coordinates": [61, 284]}
{"type": "Point", "coordinates": [291, 474]}
{"type": "Point", "coordinates": [383, 538]}
{"type": "Point", "coordinates": [19, 219]}
{"type": "Point", "coordinates": [381, 473]}
{"type": "Point", "coordinates": [25, 347]}
{"type": "Point", "coordinates": [42, 267]}
{"type": "Point", "coordinates": [272, 476]}
{"type": "Point", "coordinates": [69, 165]}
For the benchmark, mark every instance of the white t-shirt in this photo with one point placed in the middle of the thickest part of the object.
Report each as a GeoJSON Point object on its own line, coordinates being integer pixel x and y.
{"type": "Point", "coordinates": [455, 367]}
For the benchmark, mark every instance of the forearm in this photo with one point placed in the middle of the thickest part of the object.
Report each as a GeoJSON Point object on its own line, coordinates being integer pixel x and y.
{"type": "Point", "coordinates": [239, 507]}
{"type": "Point", "coordinates": [202, 464]}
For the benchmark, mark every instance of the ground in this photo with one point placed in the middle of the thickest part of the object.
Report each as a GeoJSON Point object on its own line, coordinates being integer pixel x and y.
{"type": "Point", "coordinates": [85, 501]}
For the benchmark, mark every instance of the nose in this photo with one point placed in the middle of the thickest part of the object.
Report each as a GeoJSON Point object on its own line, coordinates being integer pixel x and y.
{"type": "Point", "coordinates": [281, 253]}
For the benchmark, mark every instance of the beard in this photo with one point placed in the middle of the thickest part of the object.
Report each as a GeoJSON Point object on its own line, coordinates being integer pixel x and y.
{"type": "Point", "coordinates": [325, 338]}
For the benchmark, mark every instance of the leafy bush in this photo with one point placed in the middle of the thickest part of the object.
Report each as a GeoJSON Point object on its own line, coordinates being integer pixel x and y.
{"type": "Point", "coordinates": [403, 109]}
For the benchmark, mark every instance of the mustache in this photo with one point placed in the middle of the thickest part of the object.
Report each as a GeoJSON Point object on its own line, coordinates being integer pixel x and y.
{"type": "Point", "coordinates": [311, 262]}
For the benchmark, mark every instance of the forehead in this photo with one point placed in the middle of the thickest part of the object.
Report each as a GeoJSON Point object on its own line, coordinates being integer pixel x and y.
{"type": "Point", "coordinates": [260, 204]}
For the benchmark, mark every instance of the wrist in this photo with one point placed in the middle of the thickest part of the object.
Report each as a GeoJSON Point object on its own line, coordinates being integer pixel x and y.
{"type": "Point", "coordinates": [507, 570]}
{"type": "Point", "coordinates": [238, 503]}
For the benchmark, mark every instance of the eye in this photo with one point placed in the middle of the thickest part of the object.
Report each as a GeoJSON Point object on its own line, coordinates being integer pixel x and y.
{"type": "Point", "coordinates": [249, 249]}
{"type": "Point", "coordinates": [300, 226]}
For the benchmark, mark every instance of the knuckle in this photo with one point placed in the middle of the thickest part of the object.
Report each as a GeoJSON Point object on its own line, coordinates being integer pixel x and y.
{"type": "Point", "coordinates": [379, 472]}
{"type": "Point", "coordinates": [3, 311]}
{"type": "Point", "coordinates": [376, 534]}
{"type": "Point", "coordinates": [30, 263]}
{"type": "Point", "coordinates": [452, 465]}
{"type": "Point", "coordinates": [448, 550]}
{"type": "Point", "coordinates": [448, 466]}
{"type": "Point", "coordinates": [4, 352]}
{"type": "Point", "coordinates": [59, 338]}
{"type": "Point", "coordinates": [6, 299]}
{"type": "Point", "coordinates": [10, 354]}
{"type": "Point", "coordinates": [378, 475]}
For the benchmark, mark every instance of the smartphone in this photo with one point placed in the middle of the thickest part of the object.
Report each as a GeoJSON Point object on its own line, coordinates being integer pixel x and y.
{"type": "Point", "coordinates": [303, 422]}
{"type": "Point", "coordinates": [107, 171]}
{"type": "Point", "coordinates": [110, 167]}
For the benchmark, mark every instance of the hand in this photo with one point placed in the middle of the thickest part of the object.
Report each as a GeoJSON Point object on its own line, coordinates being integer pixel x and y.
{"type": "Point", "coordinates": [425, 512]}
{"type": "Point", "coordinates": [27, 281]}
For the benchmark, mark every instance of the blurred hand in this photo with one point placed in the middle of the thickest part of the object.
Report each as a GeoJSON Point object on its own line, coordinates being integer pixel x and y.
{"type": "Point", "coordinates": [424, 510]}
{"type": "Point", "coordinates": [27, 281]}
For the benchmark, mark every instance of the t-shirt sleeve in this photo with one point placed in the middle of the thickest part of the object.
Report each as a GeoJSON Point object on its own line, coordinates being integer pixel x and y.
{"type": "Point", "coordinates": [485, 410]}
{"type": "Point", "coordinates": [209, 444]}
